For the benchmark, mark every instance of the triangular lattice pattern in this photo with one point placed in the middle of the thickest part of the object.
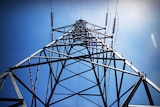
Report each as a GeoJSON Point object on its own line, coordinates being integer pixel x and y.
{"type": "Point", "coordinates": [77, 69]}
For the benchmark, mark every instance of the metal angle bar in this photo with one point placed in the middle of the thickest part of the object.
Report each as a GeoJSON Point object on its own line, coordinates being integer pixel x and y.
{"type": "Point", "coordinates": [148, 93]}
{"type": "Point", "coordinates": [98, 82]}
{"type": "Point", "coordinates": [78, 94]}
{"type": "Point", "coordinates": [50, 67]}
{"type": "Point", "coordinates": [80, 61]}
{"type": "Point", "coordinates": [102, 49]}
{"type": "Point", "coordinates": [17, 104]}
{"type": "Point", "coordinates": [4, 74]}
{"type": "Point", "coordinates": [121, 81]}
{"type": "Point", "coordinates": [37, 72]}
{"type": "Point", "coordinates": [81, 95]}
{"type": "Point", "coordinates": [79, 56]}
{"type": "Point", "coordinates": [41, 63]}
{"type": "Point", "coordinates": [134, 68]}
{"type": "Point", "coordinates": [62, 64]}
{"type": "Point", "coordinates": [60, 31]}
{"type": "Point", "coordinates": [27, 88]}
{"type": "Point", "coordinates": [2, 82]}
{"type": "Point", "coordinates": [35, 83]}
{"type": "Point", "coordinates": [29, 57]}
{"type": "Point", "coordinates": [94, 25]}
{"type": "Point", "coordinates": [84, 63]}
{"type": "Point", "coordinates": [75, 74]}
{"type": "Point", "coordinates": [99, 29]}
{"type": "Point", "coordinates": [89, 46]}
{"type": "Point", "coordinates": [105, 69]}
{"type": "Point", "coordinates": [104, 58]}
{"type": "Point", "coordinates": [152, 84]}
{"type": "Point", "coordinates": [107, 50]}
{"type": "Point", "coordinates": [104, 37]}
{"type": "Point", "coordinates": [74, 56]}
{"type": "Point", "coordinates": [107, 36]}
{"type": "Point", "coordinates": [59, 53]}
{"type": "Point", "coordinates": [128, 72]}
{"type": "Point", "coordinates": [122, 95]}
{"type": "Point", "coordinates": [49, 77]}
{"type": "Point", "coordinates": [71, 57]}
{"type": "Point", "coordinates": [60, 44]}
{"type": "Point", "coordinates": [51, 43]}
{"type": "Point", "coordinates": [66, 48]}
{"type": "Point", "coordinates": [74, 93]}
{"type": "Point", "coordinates": [78, 74]}
{"type": "Point", "coordinates": [90, 94]}
{"type": "Point", "coordinates": [16, 88]}
{"type": "Point", "coordinates": [26, 59]}
{"type": "Point", "coordinates": [10, 99]}
{"type": "Point", "coordinates": [116, 80]}
{"type": "Point", "coordinates": [104, 75]}
{"type": "Point", "coordinates": [91, 101]}
{"type": "Point", "coordinates": [30, 72]}
{"type": "Point", "coordinates": [141, 106]}
{"type": "Point", "coordinates": [53, 89]}
{"type": "Point", "coordinates": [19, 101]}
{"type": "Point", "coordinates": [41, 49]}
{"type": "Point", "coordinates": [75, 61]}
{"type": "Point", "coordinates": [125, 104]}
{"type": "Point", "coordinates": [63, 27]}
{"type": "Point", "coordinates": [46, 57]}
{"type": "Point", "coordinates": [127, 62]}
{"type": "Point", "coordinates": [79, 51]}
{"type": "Point", "coordinates": [83, 76]}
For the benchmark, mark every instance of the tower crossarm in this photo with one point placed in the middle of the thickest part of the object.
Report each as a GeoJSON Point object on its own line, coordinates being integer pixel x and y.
{"type": "Point", "coordinates": [81, 64]}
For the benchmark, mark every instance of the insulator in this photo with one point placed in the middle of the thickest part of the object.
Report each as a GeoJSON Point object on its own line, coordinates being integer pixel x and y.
{"type": "Point", "coordinates": [106, 19]}
{"type": "Point", "coordinates": [51, 19]}
{"type": "Point", "coordinates": [114, 25]}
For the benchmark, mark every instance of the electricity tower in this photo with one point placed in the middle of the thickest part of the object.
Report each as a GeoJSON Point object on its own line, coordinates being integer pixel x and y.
{"type": "Point", "coordinates": [80, 68]}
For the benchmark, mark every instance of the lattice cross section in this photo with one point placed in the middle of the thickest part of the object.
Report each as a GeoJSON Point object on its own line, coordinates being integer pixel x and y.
{"type": "Point", "coordinates": [78, 65]}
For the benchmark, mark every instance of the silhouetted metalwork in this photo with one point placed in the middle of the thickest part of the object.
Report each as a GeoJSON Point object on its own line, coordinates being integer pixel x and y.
{"type": "Point", "coordinates": [78, 68]}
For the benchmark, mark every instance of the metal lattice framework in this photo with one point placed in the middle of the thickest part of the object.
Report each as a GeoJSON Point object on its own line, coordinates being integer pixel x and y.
{"type": "Point", "coordinates": [79, 68]}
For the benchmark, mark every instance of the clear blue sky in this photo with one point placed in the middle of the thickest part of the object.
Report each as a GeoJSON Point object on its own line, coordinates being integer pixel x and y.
{"type": "Point", "coordinates": [25, 28]}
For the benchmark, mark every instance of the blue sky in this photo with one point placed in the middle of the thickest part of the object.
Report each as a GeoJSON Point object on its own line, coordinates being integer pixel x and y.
{"type": "Point", "coordinates": [25, 28]}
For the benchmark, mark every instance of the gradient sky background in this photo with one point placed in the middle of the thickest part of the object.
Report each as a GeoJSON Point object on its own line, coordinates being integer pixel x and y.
{"type": "Point", "coordinates": [25, 28]}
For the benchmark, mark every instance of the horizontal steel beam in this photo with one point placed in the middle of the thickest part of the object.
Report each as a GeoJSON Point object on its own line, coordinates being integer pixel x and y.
{"type": "Point", "coordinates": [11, 99]}
{"type": "Point", "coordinates": [141, 106]}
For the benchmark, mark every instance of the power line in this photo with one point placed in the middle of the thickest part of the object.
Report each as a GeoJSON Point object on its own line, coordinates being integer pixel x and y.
{"type": "Point", "coordinates": [81, 9]}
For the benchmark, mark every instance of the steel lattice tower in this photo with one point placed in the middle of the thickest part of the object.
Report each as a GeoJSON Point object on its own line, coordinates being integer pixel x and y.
{"type": "Point", "coordinates": [78, 69]}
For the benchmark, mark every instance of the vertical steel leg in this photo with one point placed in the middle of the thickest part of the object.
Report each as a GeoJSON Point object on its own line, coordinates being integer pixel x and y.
{"type": "Point", "coordinates": [17, 89]}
